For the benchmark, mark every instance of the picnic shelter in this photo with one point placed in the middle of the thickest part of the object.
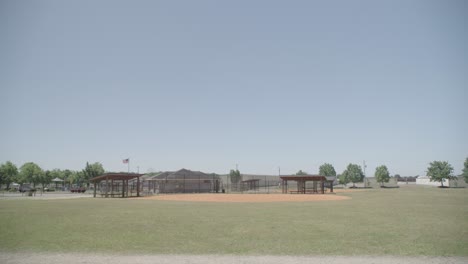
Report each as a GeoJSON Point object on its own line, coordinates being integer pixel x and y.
{"type": "Point", "coordinates": [117, 184]}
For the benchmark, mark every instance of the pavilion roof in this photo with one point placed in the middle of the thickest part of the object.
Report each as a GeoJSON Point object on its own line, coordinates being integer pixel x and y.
{"type": "Point", "coordinates": [251, 180]}
{"type": "Point", "coordinates": [116, 176]}
{"type": "Point", "coordinates": [310, 177]}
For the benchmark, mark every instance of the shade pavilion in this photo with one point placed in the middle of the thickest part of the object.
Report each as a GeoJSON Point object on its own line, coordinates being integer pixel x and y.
{"type": "Point", "coordinates": [111, 179]}
{"type": "Point", "coordinates": [318, 180]}
{"type": "Point", "coordinates": [56, 181]}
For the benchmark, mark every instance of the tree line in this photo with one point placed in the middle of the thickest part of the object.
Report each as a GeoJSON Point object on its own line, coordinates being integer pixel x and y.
{"type": "Point", "coordinates": [437, 171]}
{"type": "Point", "coordinates": [32, 173]}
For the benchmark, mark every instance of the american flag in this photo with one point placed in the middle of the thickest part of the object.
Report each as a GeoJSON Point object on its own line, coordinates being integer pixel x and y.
{"type": "Point", "coordinates": [125, 161]}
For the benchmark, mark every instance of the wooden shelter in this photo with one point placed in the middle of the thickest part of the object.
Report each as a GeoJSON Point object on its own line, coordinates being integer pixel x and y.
{"type": "Point", "coordinates": [302, 183]}
{"type": "Point", "coordinates": [116, 184]}
{"type": "Point", "coordinates": [56, 181]}
{"type": "Point", "coordinates": [250, 184]}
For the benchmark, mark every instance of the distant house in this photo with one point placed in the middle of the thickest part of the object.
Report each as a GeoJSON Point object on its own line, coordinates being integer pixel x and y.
{"type": "Point", "coordinates": [458, 182]}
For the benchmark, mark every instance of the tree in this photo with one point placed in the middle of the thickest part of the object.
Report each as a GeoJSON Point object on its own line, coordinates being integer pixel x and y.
{"type": "Point", "coordinates": [235, 176]}
{"type": "Point", "coordinates": [354, 173]}
{"type": "Point", "coordinates": [327, 169]}
{"type": "Point", "coordinates": [30, 172]}
{"type": "Point", "coordinates": [382, 175]}
{"type": "Point", "coordinates": [438, 171]}
{"type": "Point", "coordinates": [465, 170]}
{"type": "Point", "coordinates": [77, 178]}
{"type": "Point", "coordinates": [8, 173]}
{"type": "Point", "coordinates": [343, 178]}
{"type": "Point", "coordinates": [66, 176]}
{"type": "Point", "coordinates": [301, 173]}
{"type": "Point", "coordinates": [91, 171]}
{"type": "Point", "coordinates": [397, 176]}
{"type": "Point", "coordinates": [45, 178]}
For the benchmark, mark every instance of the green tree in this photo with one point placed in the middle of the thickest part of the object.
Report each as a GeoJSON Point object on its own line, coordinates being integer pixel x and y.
{"type": "Point", "coordinates": [45, 178]}
{"type": "Point", "coordinates": [301, 173]}
{"type": "Point", "coordinates": [235, 176]}
{"type": "Point", "coordinates": [30, 172]}
{"type": "Point", "coordinates": [66, 176]}
{"type": "Point", "coordinates": [8, 173]}
{"type": "Point", "coordinates": [438, 171]}
{"type": "Point", "coordinates": [91, 171]}
{"type": "Point", "coordinates": [354, 173]}
{"type": "Point", "coordinates": [77, 178]}
{"type": "Point", "coordinates": [327, 169]}
{"type": "Point", "coordinates": [343, 178]}
{"type": "Point", "coordinates": [382, 175]}
{"type": "Point", "coordinates": [465, 170]}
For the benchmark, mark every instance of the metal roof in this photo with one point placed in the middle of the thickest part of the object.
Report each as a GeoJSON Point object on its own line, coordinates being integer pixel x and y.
{"type": "Point", "coordinates": [115, 176]}
{"type": "Point", "coordinates": [252, 180]}
{"type": "Point", "coordinates": [304, 178]}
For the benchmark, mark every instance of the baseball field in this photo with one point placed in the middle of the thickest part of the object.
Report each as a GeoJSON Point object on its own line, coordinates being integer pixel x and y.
{"type": "Point", "coordinates": [408, 221]}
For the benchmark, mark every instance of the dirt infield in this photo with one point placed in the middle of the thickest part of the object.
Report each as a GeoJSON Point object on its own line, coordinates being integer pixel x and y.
{"type": "Point", "coordinates": [246, 198]}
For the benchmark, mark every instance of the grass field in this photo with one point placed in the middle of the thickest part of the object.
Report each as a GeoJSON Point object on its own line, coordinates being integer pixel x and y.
{"type": "Point", "coordinates": [406, 221]}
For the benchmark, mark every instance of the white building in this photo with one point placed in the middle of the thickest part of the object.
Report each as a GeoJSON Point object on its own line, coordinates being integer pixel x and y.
{"type": "Point", "coordinates": [459, 182]}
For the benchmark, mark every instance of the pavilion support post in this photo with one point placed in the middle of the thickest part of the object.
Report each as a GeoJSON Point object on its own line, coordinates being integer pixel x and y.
{"type": "Point", "coordinates": [322, 186]}
{"type": "Point", "coordinates": [112, 188]}
{"type": "Point", "coordinates": [94, 194]}
{"type": "Point", "coordinates": [331, 187]}
{"type": "Point", "coordinates": [126, 187]}
{"type": "Point", "coordinates": [138, 186]}
{"type": "Point", "coordinates": [107, 187]}
{"type": "Point", "coordinates": [123, 188]}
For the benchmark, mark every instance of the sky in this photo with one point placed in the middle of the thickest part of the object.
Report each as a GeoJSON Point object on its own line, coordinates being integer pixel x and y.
{"type": "Point", "coordinates": [206, 85]}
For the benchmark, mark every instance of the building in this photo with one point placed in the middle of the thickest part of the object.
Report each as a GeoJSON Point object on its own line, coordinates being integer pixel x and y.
{"type": "Point", "coordinates": [459, 182]}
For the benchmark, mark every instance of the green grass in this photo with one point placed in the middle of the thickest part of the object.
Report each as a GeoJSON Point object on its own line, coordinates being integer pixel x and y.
{"type": "Point", "coordinates": [405, 221]}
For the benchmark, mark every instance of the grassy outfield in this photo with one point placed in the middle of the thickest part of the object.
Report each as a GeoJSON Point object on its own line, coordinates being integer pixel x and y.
{"type": "Point", "coordinates": [405, 221]}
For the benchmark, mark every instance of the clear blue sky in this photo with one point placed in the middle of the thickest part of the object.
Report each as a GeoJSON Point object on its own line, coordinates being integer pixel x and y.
{"type": "Point", "coordinates": [204, 85]}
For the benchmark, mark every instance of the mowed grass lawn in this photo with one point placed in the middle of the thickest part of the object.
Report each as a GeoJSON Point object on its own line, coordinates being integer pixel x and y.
{"type": "Point", "coordinates": [406, 221]}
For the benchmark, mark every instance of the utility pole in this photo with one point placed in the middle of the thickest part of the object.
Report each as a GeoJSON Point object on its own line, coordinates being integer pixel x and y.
{"type": "Point", "coordinates": [364, 166]}
{"type": "Point", "coordinates": [237, 166]}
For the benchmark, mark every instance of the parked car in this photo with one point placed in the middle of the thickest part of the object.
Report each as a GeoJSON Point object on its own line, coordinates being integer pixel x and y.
{"type": "Point", "coordinates": [78, 190]}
